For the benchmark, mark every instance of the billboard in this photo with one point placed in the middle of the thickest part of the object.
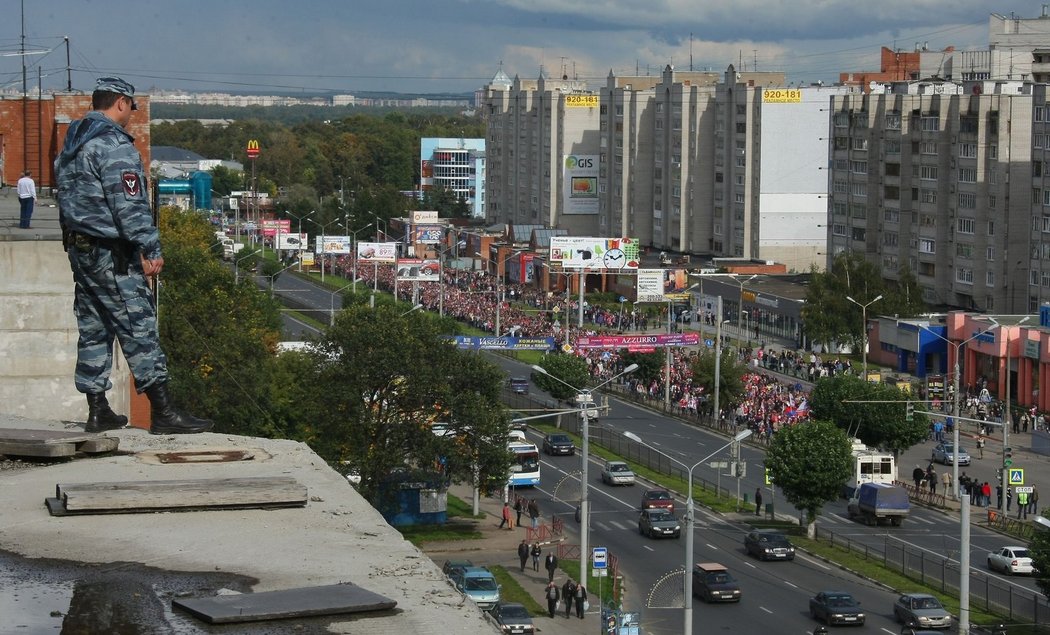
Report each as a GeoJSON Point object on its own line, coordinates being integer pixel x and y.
{"type": "Point", "coordinates": [581, 101]}
{"type": "Point", "coordinates": [297, 242]}
{"type": "Point", "coordinates": [418, 270]}
{"type": "Point", "coordinates": [575, 252]}
{"type": "Point", "coordinates": [377, 252]}
{"type": "Point", "coordinates": [469, 342]}
{"type": "Point", "coordinates": [650, 286]}
{"type": "Point", "coordinates": [640, 342]}
{"type": "Point", "coordinates": [332, 245]}
{"type": "Point", "coordinates": [781, 96]}
{"type": "Point", "coordinates": [519, 268]}
{"type": "Point", "coordinates": [424, 216]}
{"type": "Point", "coordinates": [580, 184]}
{"type": "Point", "coordinates": [427, 234]}
{"type": "Point", "coordinates": [272, 227]}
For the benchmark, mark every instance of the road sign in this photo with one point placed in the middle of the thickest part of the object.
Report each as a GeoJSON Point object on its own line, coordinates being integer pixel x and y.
{"type": "Point", "coordinates": [1016, 476]}
{"type": "Point", "coordinates": [599, 573]}
{"type": "Point", "coordinates": [709, 342]}
{"type": "Point", "coordinates": [769, 479]}
{"type": "Point", "coordinates": [1027, 489]}
{"type": "Point", "coordinates": [719, 465]}
{"type": "Point", "coordinates": [600, 557]}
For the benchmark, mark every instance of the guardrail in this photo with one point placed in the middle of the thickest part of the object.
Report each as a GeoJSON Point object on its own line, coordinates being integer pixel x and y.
{"type": "Point", "coordinates": [986, 592]}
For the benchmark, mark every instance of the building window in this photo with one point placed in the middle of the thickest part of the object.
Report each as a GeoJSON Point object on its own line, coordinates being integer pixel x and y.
{"type": "Point", "coordinates": [840, 209]}
{"type": "Point", "coordinates": [891, 215]}
{"type": "Point", "coordinates": [893, 121]}
{"type": "Point", "coordinates": [927, 246]}
{"type": "Point", "coordinates": [989, 278]}
{"type": "Point", "coordinates": [858, 189]}
{"type": "Point", "coordinates": [859, 143]}
{"type": "Point", "coordinates": [889, 239]}
{"type": "Point", "coordinates": [991, 228]}
{"type": "Point", "coordinates": [966, 225]}
{"type": "Point", "coordinates": [968, 150]}
{"type": "Point", "coordinates": [841, 119]}
{"type": "Point", "coordinates": [964, 250]}
{"type": "Point", "coordinates": [928, 172]}
{"type": "Point", "coordinates": [839, 230]}
{"type": "Point", "coordinates": [858, 233]}
{"type": "Point", "coordinates": [858, 211]}
{"type": "Point", "coordinates": [858, 167]}
{"type": "Point", "coordinates": [931, 124]}
{"type": "Point", "coordinates": [840, 187]}
{"type": "Point", "coordinates": [928, 147]}
{"type": "Point", "coordinates": [967, 200]}
{"type": "Point", "coordinates": [967, 175]}
{"type": "Point", "coordinates": [892, 146]}
{"type": "Point", "coordinates": [1038, 113]}
{"type": "Point", "coordinates": [927, 195]}
{"type": "Point", "coordinates": [989, 254]}
{"type": "Point", "coordinates": [964, 275]}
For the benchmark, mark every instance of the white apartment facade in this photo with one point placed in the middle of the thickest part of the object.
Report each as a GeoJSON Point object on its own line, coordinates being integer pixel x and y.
{"type": "Point", "coordinates": [936, 178]}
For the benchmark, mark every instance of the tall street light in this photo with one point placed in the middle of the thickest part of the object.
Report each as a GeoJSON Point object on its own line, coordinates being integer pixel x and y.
{"type": "Point", "coordinates": [324, 230]}
{"type": "Point", "coordinates": [353, 252]}
{"type": "Point", "coordinates": [273, 277]}
{"type": "Point", "coordinates": [585, 399]}
{"type": "Point", "coordinates": [300, 221]}
{"type": "Point", "coordinates": [964, 516]}
{"type": "Point", "coordinates": [415, 308]}
{"type": "Point", "coordinates": [864, 325]}
{"type": "Point", "coordinates": [740, 309]}
{"type": "Point", "coordinates": [237, 262]}
{"type": "Point", "coordinates": [687, 601]}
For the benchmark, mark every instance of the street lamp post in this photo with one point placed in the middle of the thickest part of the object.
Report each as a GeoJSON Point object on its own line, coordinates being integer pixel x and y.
{"type": "Point", "coordinates": [237, 263]}
{"type": "Point", "coordinates": [331, 312]}
{"type": "Point", "coordinates": [324, 230]}
{"type": "Point", "coordinates": [864, 325]}
{"type": "Point", "coordinates": [353, 250]}
{"type": "Point", "coordinates": [740, 309]}
{"type": "Point", "coordinates": [585, 398]}
{"type": "Point", "coordinates": [687, 601]}
{"type": "Point", "coordinates": [273, 277]}
{"type": "Point", "coordinates": [300, 221]}
{"type": "Point", "coordinates": [415, 308]}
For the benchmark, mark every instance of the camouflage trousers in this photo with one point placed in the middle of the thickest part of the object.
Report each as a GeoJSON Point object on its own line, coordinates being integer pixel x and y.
{"type": "Point", "coordinates": [112, 306]}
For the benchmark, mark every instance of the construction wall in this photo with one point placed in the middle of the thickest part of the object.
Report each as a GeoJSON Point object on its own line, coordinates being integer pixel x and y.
{"type": "Point", "coordinates": [32, 131]}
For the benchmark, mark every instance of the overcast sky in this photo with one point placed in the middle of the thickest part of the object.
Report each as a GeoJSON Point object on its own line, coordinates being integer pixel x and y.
{"type": "Point", "coordinates": [348, 46]}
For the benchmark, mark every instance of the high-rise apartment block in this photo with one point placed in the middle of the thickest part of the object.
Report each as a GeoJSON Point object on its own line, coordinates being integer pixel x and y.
{"type": "Point", "coordinates": [457, 165]}
{"type": "Point", "coordinates": [937, 178]}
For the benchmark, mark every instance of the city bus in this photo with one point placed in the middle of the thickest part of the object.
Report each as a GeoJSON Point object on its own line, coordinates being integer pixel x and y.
{"type": "Point", "coordinates": [525, 464]}
{"type": "Point", "coordinates": [870, 466]}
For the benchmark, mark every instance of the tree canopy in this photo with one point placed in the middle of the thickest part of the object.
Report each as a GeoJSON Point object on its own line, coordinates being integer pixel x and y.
{"type": "Point", "coordinates": [730, 376]}
{"type": "Point", "coordinates": [809, 462]}
{"type": "Point", "coordinates": [880, 423]}
{"type": "Point", "coordinates": [570, 369]}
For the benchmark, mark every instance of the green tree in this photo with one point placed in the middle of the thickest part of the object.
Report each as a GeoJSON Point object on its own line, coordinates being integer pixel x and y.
{"type": "Point", "coordinates": [380, 379]}
{"type": "Point", "coordinates": [842, 398]}
{"type": "Point", "coordinates": [730, 376]}
{"type": "Point", "coordinates": [1039, 551]}
{"type": "Point", "coordinates": [219, 337]}
{"type": "Point", "coordinates": [650, 365]}
{"type": "Point", "coordinates": [569, 369]}
{"type": "Point", "coordinates": [224, 180]}
{"type": "Point", "coordinates": [809, 462]}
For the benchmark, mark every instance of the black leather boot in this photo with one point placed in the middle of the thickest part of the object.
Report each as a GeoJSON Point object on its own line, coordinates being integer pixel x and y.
{"type": "Point", "coordinates": [100, 416]}
{"type": "Point", "coordinates": [164, 419]}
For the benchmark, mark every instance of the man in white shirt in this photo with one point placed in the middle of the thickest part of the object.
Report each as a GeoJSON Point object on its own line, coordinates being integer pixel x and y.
{"type": "Point", "coordinates": [26, 198]}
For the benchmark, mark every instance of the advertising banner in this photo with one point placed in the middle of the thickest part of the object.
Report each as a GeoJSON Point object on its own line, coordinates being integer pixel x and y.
{"type": "Point", "coordinates": [332, 245]}
{"type": "Point", "coordinates": [427, 234]}
{"type": "Point", "coordinates": [632, 342]}
{"type": "Point", "coordinates": [296, 242]}
{"type": "Point", "coordinates": [377, 252]}
{"type": "Point", "coordinates": [271, 227]}
{"type": "Point", "coordinates": [469, 342]}
{"type": "Point", "coordinates": [424, 216]}
{"type": "Point", "coordinates": [580, 184]}
{"type": "Point", "coordinates": [418, 270]}
{"type": "Point", "coordinates": [650, 287]}
{"type": "Point", "coordinates": [676, 281]}
{"type": "Point", "coordinates": [781, 96]}
{"type": "Point", "coordinates": [581, 101]}
{"type": "Point", "coordinates": [519, 268]}
{"type": "Point", "coordinates": [574, 252]}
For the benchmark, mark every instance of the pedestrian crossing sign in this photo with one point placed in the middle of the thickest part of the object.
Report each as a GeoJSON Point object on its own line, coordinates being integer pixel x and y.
{"type": "Point", "coordinates": [1016, 476]}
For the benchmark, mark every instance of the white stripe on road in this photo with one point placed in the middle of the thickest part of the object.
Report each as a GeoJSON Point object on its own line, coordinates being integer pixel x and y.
{"type": "Point", "coordinates": [766, 610]}
{"type": "Point", "coordinates": [649, 548]}
{"type": "Point", "coordinates": [618, 525]}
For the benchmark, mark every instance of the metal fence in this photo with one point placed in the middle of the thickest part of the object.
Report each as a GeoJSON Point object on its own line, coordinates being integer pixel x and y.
{"type": "Point", "coordinates": [987, 593]}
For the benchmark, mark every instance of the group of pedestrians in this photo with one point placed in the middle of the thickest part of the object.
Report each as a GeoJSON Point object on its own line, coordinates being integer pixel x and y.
{"type": "Point", "coordinates": [570, 594]}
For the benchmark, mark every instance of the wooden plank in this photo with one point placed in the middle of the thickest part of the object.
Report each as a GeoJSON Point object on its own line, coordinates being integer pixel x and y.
{"type": "Point", "coordinates": [41, 450]}
{"type": "Point", "coordinates": [57, 507]}
{"type": "Point", "coordinates": [22, 435]}
{"type": "Point", "coordinates": [335, 599]}
{"type": "Point", "coordinates": [199, 493]}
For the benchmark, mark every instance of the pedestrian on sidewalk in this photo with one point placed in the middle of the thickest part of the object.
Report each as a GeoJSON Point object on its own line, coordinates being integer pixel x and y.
{"type": "Point", "coordinates": [980, 446]}
{"type": "Point", "coordinates": [523, 554]}
{"type": "Point", "coordinates": [917, 475]}
{"type": "Point", "coordinates": [1033, 500]}
{"type": "Point", "coordinates": [536, 551]}
{"type": "Point", "coordinates": [505, 522]}
{"type": "Point", "coordinates": [551, 565]}
{"type": "Point", "coordinates": [1009, 497]}
{"type": "Point", "coordinates": [568, 592]}
{"type": "Point", "coordinates": [999, 496]}
{"type": "Point", "coordinates": [519, 507]}
{"type": "Point", "coordinates": [1022, 504]}
{"type": "Point", "coordinates": [758, 501]}
{"type": "Point", "coordinates": [534, 513]}
{"type": "Point", "coordinates": [552, 594]}
{"type": "Point", "coordinates": [986, 493]}
{"type": "Point", "coordinates": [946, 482]}
{"type": "Point", "coordinates": [580, 599]}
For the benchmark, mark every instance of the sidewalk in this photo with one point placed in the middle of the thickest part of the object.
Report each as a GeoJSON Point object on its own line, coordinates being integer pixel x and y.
{"type": "Point", "coordinates": [499, 547]}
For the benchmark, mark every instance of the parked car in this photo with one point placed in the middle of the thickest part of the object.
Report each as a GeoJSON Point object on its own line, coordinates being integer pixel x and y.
{"type": "Point", "coordinates": [659, 522]}
{"type": "Point", "coordinates": [480, 585]}
{"type": "Point", "coordinates": [712, 582]}
{"type": "Point", "coordinates": [617, 473]}
{"type": "Point", "coordinates": [836, 607]}
{"type": "Point", "coordinates": [769, 544]}
{"type": "Point", "coordinates": [558, 444]}
{"type": "Point", "coordinates": [518, 385]}
{"type": "Point", "coordinates": [514, 618]}
{"type": "Point", "coordinates": [945, 453]}
{"type": "Point", "coordinates": [453, 569]}
{"type": "Point", "coordinates": [657, 499]}
{"type": "Point", "coordinates": [1011, 560]}
{"type": "Point", "coordinates": [921, 609]}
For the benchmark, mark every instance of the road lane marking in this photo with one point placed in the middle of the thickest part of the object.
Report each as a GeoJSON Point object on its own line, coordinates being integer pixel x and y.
{"type": "Point", "coordinates": [710, 546]}
{"type": "Point", "coordinates": [649, 548]}
{"type": "Point", "coordinates": [766, 610]}
{"type": "Point", "coordinates": [617, 524]}
{"type": "Point", "coordinates": [812, 561]}
{"type": "Point", "coordinates": [789, 584]}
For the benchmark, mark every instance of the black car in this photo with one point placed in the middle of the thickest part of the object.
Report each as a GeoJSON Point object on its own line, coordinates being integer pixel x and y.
{"type": "Point", "coordinates": [836, 607]}
{"type": "Point", "coordinates": [767, 544]}
{"type": "Point", "coordinates": [518, 385]}
{"type": "Point", "coordinates": [558, 444]}
{"type": "Point", "coordinates": [713, 583]}
{"type": "Point", "coordinates": [514, 618]}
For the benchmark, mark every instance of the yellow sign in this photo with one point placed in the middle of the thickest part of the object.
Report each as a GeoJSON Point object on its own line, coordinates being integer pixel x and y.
{"type": "Point", "coordinates": [253, 148]}
{"type": "Point", "coordinates": [1016, 475]}
{"type": "Point", "coordinates": [782, 96]}
{"type": "Point", "coordinates": [581, 101]}
{"type": "Point", "coordinates": [769, 479]}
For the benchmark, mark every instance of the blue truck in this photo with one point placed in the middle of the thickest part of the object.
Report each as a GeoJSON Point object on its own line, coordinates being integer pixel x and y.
{"type": "Point", "coordinates": [879, 503]}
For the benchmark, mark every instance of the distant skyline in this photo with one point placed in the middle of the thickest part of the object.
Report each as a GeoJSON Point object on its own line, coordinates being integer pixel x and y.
{"type": "Point", "coordinates": [439, 46]}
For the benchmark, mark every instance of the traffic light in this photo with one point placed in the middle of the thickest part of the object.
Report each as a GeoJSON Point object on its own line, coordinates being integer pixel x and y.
{"type": "Point", "coordinates": [1008, 457]}
{"type": "Point", "coordinates": [909, 412]}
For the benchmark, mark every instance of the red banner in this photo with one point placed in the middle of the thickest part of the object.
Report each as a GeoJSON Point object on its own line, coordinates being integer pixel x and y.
{"type": "Point", "coordinates": [637, 342]}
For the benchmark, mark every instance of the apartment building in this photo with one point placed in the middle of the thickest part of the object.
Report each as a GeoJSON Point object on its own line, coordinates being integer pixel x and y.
{"type": "Point", "coordinates": [936, 178]}
{"type": "Point", "coordinates": [542, 153]}
{"type": "Point", "coordinates": [456, 164]}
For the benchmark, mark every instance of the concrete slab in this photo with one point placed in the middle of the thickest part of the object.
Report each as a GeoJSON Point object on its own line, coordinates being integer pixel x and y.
{"type": "Point", "coordinates": [333, 599]}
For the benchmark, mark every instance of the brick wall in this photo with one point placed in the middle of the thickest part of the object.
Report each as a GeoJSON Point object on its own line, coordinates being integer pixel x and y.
{"type": "Point", "coordinates": [33, 130]}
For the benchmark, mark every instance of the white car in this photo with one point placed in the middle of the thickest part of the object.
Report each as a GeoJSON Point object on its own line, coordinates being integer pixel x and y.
{"type": "Point", "coordinates": [1011, 560]}
{"type": "Point", "coordinates": [617, 473]}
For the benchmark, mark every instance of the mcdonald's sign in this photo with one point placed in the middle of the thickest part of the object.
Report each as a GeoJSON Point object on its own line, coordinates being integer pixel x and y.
{"type": "Point", "coordinates": [253, 148]}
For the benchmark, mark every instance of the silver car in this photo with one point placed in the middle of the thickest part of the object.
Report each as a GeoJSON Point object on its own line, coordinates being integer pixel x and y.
{"type": "Point", "coordinates": [921, 609]}
{"type": "Point", "coordinates": [945, 453]}
{"type": "Point", "coordinates": [617, 473]}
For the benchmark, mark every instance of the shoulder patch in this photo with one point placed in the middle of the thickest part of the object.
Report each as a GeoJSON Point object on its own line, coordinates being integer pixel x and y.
{"type": "Point", "coordinates": [132, 183]}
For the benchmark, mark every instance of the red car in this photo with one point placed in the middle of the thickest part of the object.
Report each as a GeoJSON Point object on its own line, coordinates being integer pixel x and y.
{"type": "Point", "coordinates": [658, 499]}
